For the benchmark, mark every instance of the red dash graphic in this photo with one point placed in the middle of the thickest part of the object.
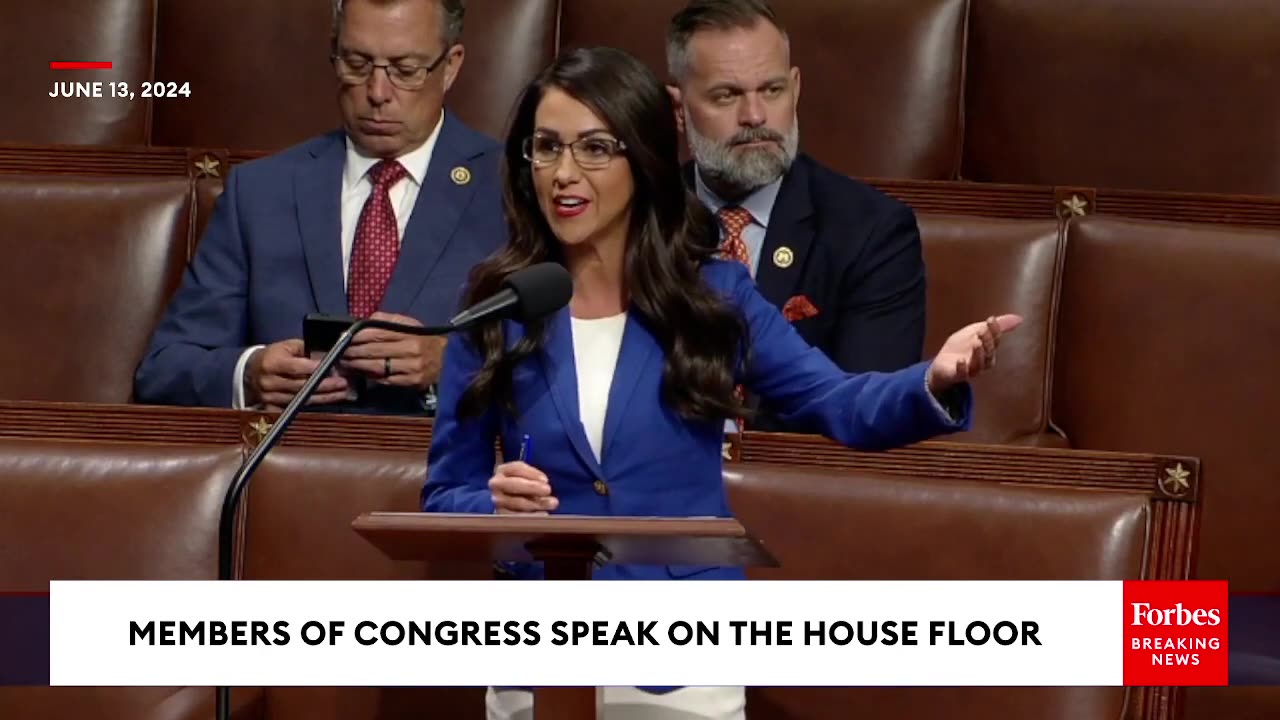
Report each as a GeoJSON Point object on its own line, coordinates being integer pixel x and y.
{"type": "Point", "coordinates": [59, 65]}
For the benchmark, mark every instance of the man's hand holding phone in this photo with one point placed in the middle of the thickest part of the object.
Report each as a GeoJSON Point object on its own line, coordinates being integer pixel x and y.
{"type": "Point", "coordinates": [275, 374]}
{"type": "Point", "coordinates": [392, 358]}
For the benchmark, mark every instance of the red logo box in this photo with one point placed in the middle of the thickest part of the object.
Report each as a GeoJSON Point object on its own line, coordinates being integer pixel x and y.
{"type": "Point", "coordinates": [1175, 633]}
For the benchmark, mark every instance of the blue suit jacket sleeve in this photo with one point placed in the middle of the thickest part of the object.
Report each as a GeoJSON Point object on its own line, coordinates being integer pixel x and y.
{"type": "Point", "coordinates": [462, 457]}
{"type": "Point", "coordinates": [193, 352]}
{"type": "Point", "coordinates": [868, 411]}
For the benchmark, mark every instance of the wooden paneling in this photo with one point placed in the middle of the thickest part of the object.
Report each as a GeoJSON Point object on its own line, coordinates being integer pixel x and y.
{"type": "Point", "coordinates": [925, 196]}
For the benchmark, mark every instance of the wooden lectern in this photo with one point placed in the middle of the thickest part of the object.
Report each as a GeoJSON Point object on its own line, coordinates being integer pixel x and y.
{"type": "Point", "coordinates": [570, 547]}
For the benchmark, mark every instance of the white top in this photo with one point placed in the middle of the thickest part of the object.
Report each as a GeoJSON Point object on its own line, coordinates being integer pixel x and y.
{"type": "Point", "coordinates": [596, 344]}
{"type": "Point", "coordinates": [356, 188]}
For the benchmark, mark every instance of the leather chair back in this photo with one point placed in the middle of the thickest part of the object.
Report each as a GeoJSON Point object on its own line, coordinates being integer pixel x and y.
{"type": "Point", "coordinates": [1168, 339]}
{"type": "Point", "coordinates": [109, 511]}
{"type": "Point", "coordinates": [899, 528]}
{"type": "Point", "coordinates": [881, 81]}
{"type": "Point", "coordinates": [285, 45]}
{"type": "Point", "coordinates": [91, 264]}
{"type": "Point", "coordinates": [978, 267]}
{"type": "Point", "coordinates": [259, 72]}
{"type": "Point", "coordinates": [299, 512]}
{"type": "Point", "coordinates": [33, 34]}
{"type": "Point", "coordinates": [508, 43]}
{"type": "Point", "coordinates": [1150, 94]}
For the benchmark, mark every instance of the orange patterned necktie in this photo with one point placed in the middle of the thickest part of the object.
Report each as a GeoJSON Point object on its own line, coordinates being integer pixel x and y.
{"type": "Point", "coordinates": [733, 247]}
{"type": "Point", "coordinates": [377, 242]}
{"type": "Point", "coordinates": [734, 220]}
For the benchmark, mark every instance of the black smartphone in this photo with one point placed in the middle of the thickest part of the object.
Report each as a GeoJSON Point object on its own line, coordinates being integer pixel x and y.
{"type": "Point", "coordinates": [321, 332]}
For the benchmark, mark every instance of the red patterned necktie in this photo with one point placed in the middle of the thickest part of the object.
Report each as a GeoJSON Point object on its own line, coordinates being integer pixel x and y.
{"type": "Point", "coordinates": [733, 247]}
{"type": "Point", "coordinates": [734, 220]}
{"type": "Point", "coordinates": [377, 242]}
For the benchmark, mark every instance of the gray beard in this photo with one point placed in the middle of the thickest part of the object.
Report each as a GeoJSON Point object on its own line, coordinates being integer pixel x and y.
{"type": "Point", "coordinates": [745, 171]}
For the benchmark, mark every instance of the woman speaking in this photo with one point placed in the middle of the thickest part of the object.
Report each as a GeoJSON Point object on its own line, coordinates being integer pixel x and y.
{"type": "Point", "coordinates": [618, 402]}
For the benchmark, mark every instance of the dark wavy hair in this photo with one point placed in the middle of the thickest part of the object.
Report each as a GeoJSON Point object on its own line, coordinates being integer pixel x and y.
{"type": "Point", "coordinates": [671, 235]}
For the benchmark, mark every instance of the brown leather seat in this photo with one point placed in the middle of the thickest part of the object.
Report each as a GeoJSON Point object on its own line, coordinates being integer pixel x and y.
{"type": "Point", "coordinates": [900, 528]}
{"type": "Point", "coordinates": [980, 267]}
{"type": "Point", "coordinates": [865, 526]}
{"type": "Point", "coordinates": [1168, 339]}
{"type": "Point", "coordinates": [90, 265]}
{"type": "Point", "coordinates": [881, 80]}
{"type": "Point", "coordinates": [1099, 96]}
{"type": "Point", "coordinates": [108, 511]}
{"type": "Point", "coordinates": [300, 508]}
{"type": "Point", "coordinates": [35, 33]}
{"type": "Point", "coordinates": [1157, 94]}
{"type": "Point", "coordinates": [286, 43]}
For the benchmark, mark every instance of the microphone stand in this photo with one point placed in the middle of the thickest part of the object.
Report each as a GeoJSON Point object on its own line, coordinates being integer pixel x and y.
{"type": "Point", "coordinates": [231, 501]}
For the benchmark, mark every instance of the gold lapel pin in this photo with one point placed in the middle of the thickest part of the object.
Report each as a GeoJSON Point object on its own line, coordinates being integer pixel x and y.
{"type": "Point", "coordinates": [783, 257]}
{"type": "Point", "coordinates": [460, 176]}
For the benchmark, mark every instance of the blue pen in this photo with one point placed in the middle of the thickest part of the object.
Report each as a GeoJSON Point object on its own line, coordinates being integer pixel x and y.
{"type": "Point", "coordinates": [526, 449]}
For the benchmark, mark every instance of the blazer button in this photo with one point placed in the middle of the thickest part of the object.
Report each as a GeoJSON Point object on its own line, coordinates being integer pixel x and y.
{"type": "Point", "coordinates": [600, 487]}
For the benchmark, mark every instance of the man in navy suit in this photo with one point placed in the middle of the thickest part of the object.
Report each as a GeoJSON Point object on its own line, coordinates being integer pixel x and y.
{"type": "Point", "coordinates": [840, 259]}
{"type": "Point", "coordinates": [383, 218]}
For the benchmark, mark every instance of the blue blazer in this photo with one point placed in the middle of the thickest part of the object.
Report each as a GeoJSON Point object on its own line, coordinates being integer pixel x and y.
{"type": "Point", "coordinates": [656, 463]}
{"type": "Point", "coordinates": [272, 253]}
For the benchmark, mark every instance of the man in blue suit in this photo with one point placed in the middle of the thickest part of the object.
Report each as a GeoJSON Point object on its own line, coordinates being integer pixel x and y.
{"type": "Point", "coordinates": [383, 218]}
{"type": "Point", "coordinates": [840, 259]}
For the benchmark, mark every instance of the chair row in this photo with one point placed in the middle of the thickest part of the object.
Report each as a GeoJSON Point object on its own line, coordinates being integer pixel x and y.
{"type": "Point", "coordinates": [1141, 336]}
{"type": "Point", "coordinates": [119, 492]}
{"type": "Point", "coordinates": [1146, 94]}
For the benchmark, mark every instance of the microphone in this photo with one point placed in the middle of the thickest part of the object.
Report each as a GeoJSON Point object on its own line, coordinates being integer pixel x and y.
{"type": "Point", "coordinates": [527, 295]}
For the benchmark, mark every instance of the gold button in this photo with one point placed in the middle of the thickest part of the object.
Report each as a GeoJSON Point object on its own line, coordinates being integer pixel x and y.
{"type": "Point", "coordinates": [600, 487]}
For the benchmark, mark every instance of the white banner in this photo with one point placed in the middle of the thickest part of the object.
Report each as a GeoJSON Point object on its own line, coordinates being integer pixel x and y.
{"type": "Point", "coordinates": [522, 633]}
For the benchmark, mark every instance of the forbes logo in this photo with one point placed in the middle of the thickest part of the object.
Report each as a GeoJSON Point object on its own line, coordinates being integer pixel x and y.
{"type": "Point", "coordinates": [1144, 614]}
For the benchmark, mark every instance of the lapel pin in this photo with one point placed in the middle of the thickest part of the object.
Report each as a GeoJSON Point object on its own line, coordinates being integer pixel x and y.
{"type": "Point", "coordinates": [783, 257]}
{"type": "Point", "coordinates": [460, 176]}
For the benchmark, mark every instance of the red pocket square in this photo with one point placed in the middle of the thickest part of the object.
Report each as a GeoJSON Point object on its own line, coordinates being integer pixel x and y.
{"type": "Point", "coordinates": [799, 308]}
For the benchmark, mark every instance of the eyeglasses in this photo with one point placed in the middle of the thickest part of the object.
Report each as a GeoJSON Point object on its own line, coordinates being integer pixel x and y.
{"type": "Point", "coordinates": [591, 152]}
{"type": "Point", "coordinates": [356, 69]}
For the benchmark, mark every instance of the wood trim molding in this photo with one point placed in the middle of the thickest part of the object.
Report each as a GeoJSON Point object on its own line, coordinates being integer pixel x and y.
{"type": "Point", "coordinates": [91, 160]}
{"type": "Point", "coordinates": [943, 197]}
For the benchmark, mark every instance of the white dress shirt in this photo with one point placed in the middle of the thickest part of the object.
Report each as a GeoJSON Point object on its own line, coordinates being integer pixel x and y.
{"type": "Point", "coordinates": [356, 188]}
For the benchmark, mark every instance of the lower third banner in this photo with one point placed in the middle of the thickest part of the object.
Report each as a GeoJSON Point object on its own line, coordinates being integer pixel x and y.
{"type": "Point", "coordinates": [757, 633]}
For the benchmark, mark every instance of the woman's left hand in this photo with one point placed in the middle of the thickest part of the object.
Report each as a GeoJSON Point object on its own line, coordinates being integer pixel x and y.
{"type": "Point", "coordinates": [969, 352]}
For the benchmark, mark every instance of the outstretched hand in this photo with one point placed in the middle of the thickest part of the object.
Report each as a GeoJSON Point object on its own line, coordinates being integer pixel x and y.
{"type": "Point", "coordinates": [969, 352]}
